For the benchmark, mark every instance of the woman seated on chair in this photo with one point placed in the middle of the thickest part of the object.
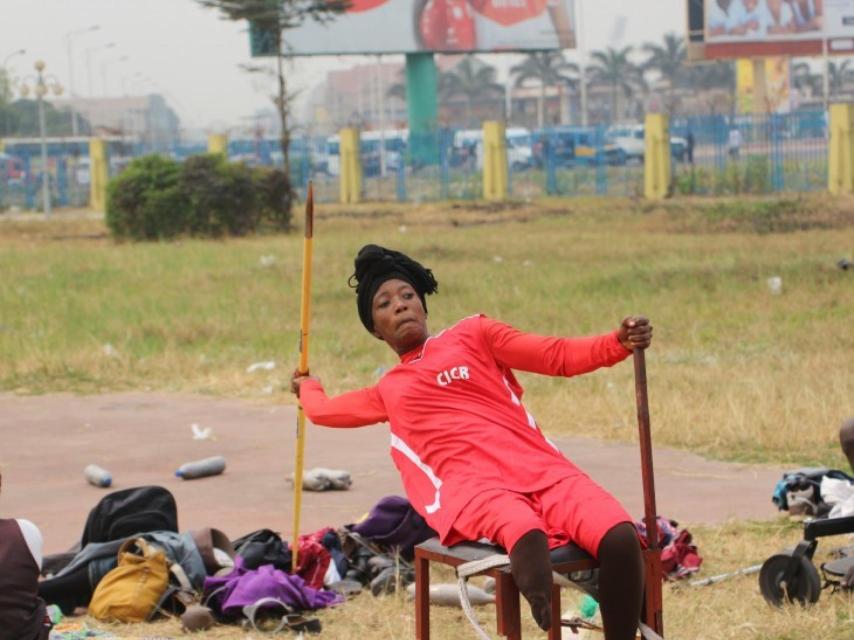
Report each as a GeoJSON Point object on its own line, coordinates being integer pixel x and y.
{"type": "Point", "coordinates": [22, 612]}
{"type": "Point", "coordinates": [473, 461]}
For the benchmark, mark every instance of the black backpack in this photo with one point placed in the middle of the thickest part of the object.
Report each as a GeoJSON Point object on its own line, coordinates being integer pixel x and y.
{"type": "Point", "coordinates": [263, 547]}
{"type": "Point", "coordinates": [123, 513]}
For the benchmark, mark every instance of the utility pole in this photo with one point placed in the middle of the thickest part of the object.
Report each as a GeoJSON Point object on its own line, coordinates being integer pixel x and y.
{"type": "Point", "coordinates": [68, 40]}
{"type": "Point", "coordinates": [582, 58]}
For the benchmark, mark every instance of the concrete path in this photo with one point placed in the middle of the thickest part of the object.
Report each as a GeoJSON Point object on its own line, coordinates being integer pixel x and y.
{"type": "Point", "coordinates": [141, 438]}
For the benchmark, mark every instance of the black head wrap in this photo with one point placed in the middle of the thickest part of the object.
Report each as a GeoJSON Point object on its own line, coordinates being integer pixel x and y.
{"type": "Point", "coordinates": [374, 265]}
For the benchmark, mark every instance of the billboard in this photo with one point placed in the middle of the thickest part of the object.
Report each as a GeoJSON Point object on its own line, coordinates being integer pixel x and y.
{"type": "Point", "coordinates": [445, 26]}
{"type": "Point", "coordinates": [758, 28]}
{"type": "Point", "coordinates": [777, 94]}
{"type": "Point", "coordinates": [763, 20]}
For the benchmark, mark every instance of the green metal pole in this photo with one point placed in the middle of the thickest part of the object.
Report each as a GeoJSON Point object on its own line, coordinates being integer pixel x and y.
{"type": "Point", "coordinates": [423, 106]}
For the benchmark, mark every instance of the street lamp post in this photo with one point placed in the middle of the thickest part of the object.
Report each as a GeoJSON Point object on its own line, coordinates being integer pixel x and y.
{"type": "Point", "coordinates": [104, 65]}
{"type": "Point", "coordinates": [68, 41]}
{"type": "Point", "coordinates": [18, 52]}
{"type": "Point", "coordinates": [89, 53]}
{"type": "Point", "coordinates": [43, 83]}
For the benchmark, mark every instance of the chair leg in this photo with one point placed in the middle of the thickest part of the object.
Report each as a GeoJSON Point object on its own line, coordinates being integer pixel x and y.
{"type": "Point", "coordinates": [507, 606]}
{"type": "Point", "coordinates": [422, 597]}
{"type": "Point", "coordinates": [653, 598]}
{"type": "Point", "coordinates": [555, 630]}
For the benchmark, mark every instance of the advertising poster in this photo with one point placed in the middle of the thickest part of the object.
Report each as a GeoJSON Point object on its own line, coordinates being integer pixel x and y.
{"type": "Point", "coordinates": [449, 26]}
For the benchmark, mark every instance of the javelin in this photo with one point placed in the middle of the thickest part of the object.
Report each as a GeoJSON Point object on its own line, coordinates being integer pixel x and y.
{"type": "Point", "coordinates": [305, 308]}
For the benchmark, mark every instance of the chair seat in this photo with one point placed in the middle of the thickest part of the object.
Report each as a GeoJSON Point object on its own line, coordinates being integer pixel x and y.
{"type": "Point", "coordinates": [469, 551]}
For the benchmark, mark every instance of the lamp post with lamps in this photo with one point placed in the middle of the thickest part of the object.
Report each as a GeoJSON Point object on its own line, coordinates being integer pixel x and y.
{"type": "Point", "coordinates": [42, 84]}
{"type": "Point", "coordinates": [69, 37]}
{"type": "Point", "coordinates": [89, 52]}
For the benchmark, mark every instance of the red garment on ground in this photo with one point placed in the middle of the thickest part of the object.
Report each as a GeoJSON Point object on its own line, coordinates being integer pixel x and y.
{"type": "Point", "coordinates": [313, 558]}
{"type": "Point", "coordinates": [458, 426]}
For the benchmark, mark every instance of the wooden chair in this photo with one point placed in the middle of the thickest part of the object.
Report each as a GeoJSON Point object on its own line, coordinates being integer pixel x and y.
{"type": "Point", "coordinates": [565, 560]}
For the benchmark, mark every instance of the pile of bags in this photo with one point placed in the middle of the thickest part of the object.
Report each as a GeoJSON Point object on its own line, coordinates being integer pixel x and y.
{"type": "Point", "coordinates": [133, 565]}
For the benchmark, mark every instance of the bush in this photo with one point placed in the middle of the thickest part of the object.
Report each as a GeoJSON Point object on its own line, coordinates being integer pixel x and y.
{"type": "Point", "coordinates": [145, 202]}
{"type": "Point", "coordinates": [206, 196]}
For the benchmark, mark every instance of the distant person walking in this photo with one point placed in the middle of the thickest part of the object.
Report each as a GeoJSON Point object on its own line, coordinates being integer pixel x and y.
{"type": "Point", "coordinates": [689, 147]}
{"type": "Point", "coordinates": [734, 143]}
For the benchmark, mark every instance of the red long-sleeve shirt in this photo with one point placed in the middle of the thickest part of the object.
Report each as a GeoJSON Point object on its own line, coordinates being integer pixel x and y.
{"type": "Point", "coordinates": [458, 426]}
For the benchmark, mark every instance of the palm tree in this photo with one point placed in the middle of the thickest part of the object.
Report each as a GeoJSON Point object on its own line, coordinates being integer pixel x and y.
{"type": "Point", "coordinates": [548, 68]}
{"type": "Point", "coordinates": [613, 68]}
{"type": "Point", "coordinates": [668, 60]}
{"type": "Point", "coordinates": [472, 80]}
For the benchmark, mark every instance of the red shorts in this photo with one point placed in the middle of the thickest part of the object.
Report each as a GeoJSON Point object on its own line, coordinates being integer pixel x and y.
{"type": "Point", "coordinates": [575, 509]}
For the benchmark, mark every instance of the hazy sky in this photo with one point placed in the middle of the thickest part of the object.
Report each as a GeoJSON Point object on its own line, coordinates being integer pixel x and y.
{"type": "Point", "coordinates": [190, 55]}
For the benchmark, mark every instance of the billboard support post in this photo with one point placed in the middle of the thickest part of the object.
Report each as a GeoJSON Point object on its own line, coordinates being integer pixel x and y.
{"type": "Point", "coordinates": [351, 167]}
{"type": "Point", "coordinates": [218, 144]}
{"type": "Point", "coordinates": [840, 149]}
{"type": "Point", "coordinates": [495, 176]}
{"type": "Point", "coordinates": [656, 170]}
{"type": "Point", "coordinates": [98, 174]}
{"type": "Point", "coordinates": [423, 106]}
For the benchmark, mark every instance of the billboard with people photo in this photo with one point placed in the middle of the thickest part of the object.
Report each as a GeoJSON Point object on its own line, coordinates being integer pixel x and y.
{"type": "Point", "coordinates": [409, 26]}
{"type": "Point", "coordinates": [752, 20]}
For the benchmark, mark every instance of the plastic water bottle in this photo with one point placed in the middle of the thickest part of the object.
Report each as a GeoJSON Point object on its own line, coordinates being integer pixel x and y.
{"type": "Point", "coordinates": [97, 477]}
{"type": "Point", "coordinates": [201, 468]}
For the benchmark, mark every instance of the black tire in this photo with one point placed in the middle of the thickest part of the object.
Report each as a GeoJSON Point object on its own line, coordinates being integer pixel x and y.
{"type": "Point", "coordinates": [804, 587]}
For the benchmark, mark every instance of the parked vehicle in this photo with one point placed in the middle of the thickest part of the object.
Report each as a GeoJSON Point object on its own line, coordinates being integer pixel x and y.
{"type": "Point", "coordinates": [468, 148]}
{"type": "Point", "coordinates": [630, 138]}
{"type": "Point", "coordinates": [394, 142]}
{"type": "Point", "coordinates": [568, 146]}
{"type": "Point", "coordinates": [12, 169]}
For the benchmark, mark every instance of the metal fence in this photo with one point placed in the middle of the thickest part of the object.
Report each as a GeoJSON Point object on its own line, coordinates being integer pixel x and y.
{"type": "Point", "coordinates": [711, 155]}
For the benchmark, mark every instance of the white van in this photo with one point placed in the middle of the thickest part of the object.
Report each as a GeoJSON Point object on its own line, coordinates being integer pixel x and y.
{"type": "Point", "coordinates": [630, 138]}
{"type": "Point", "coordinates": [518, 139]}
{"type": "Point", "coordinates": [371, 143]}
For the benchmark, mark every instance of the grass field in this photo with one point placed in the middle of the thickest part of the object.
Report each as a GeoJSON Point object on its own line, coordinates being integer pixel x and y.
{"type": "Point", "coordinates": [735, 371]}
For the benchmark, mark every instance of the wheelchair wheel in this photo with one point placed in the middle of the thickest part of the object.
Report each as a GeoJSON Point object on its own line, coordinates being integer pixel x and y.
{"type": "Point", "coordinates": [804, 587]}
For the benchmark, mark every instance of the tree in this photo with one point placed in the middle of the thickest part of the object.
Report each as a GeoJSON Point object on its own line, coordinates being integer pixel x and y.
{"type": "Point", "coordinates": [548, 68]}
{"type": "Point", "coordinates": [21, 118]}
{"type": "Point", "coordinates": [470, 79]}
{"type": "Point", "coordinates": [668, 60]}
{"type": "Point", "coordinates": [613, 68]}
{"type": "Point", "coordinates": [273, 18]}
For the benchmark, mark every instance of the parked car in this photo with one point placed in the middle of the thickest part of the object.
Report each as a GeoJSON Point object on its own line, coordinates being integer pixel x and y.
{"type": "Point", "coordinates": [568, 146]}
{"type": "Point", "coordinates": [630, 138]}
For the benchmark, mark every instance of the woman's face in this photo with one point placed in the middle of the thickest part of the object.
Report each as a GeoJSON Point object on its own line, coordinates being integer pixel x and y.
{"type": "Point", "coordinates": [398, 315]}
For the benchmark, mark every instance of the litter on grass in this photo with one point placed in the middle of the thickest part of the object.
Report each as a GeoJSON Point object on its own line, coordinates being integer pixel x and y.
{"type": "Point", "coordinates": [267, 365]}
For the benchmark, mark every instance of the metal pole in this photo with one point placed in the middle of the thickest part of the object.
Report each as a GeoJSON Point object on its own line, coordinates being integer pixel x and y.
{"type": "Point", "coordinates": [826, 74]}
{"type": "Point", "coordinates": [40, 91]}
{"type": "Point", "coordinates": [74, 125]}
{"type": "Point", "coordinates": [582, 59]}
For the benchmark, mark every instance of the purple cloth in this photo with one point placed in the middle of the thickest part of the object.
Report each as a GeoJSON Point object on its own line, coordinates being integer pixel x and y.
{"type": "Point", "coordinates": [244, 587]}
